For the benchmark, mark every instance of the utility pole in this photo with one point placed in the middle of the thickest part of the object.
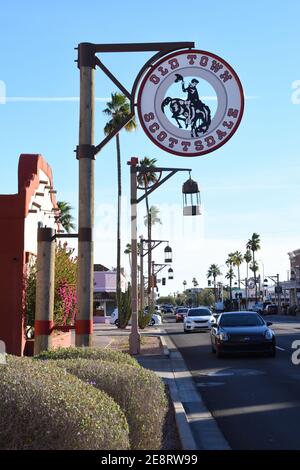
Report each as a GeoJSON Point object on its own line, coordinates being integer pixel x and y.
{"type": "Point", "coordinates": [279, 294]}
{"type": "Point", "coordinates": [134, 337]}
{"type": "Point", "coordinates": [85, 155]}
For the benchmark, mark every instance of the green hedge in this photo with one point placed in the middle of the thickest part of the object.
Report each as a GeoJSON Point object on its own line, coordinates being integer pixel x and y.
{"type": "Point", "coordinates": [89, 353]}
{"type": "Point", "coordinates": [43, 407]}
{"type": "Point", "coordinates": [139, 392]}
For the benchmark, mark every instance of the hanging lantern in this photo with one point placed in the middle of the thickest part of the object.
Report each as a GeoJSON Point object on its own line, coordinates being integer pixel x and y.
{"type": "Point", "coordinates": [168, 254]}
{"type": "Point", "coordinates": [191, 198]}
{"type": "Point", "coordinates": [170, 273]}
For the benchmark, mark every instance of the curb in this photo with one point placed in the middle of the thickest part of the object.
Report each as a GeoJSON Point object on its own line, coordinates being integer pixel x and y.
{"type": "Point", "coordinates": [192, 416]}
{"type": "Point", "coordinates": [164, 344]}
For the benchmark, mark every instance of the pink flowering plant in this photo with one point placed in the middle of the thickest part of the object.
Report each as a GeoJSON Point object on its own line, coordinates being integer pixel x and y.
{"type": "Point", "coordinates": [65, 299]}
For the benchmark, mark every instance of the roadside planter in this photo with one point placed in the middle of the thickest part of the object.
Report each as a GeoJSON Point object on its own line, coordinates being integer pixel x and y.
{"type": "Point", "coordinates": [61, 338]}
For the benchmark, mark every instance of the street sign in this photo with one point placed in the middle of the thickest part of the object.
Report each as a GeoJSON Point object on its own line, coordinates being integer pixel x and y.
{"type": "Point", "coordinates": [278, 290]}
{"type": "Point", "coordinates": [190, 103]}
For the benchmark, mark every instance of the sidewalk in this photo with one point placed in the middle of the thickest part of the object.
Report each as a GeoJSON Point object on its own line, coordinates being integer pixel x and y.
{"type": "Point", "coordinates": [197, 428]}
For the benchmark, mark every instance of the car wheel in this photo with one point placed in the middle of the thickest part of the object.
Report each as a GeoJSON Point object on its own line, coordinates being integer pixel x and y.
{"type": "Point", "coordinates": [152, 322]}
{"type": "Point", "coordinates": [117, 322]}
{"type": "Point", "coordinates": [186, 331]}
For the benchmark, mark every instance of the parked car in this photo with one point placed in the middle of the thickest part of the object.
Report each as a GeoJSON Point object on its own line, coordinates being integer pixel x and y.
{"type": "Point", "coordinates": [242, 332]}
{"type": "Point", "coordinates": [155, 319]}
{"type": "Point", "coordinates": [259, 307]}
{"type": "Point", "coordinates": [156, 308]}
{"type": "Point", "coordinates": [271, 309]}
{"type": "Point", "coordinates": [198, 318]}
{"type": "Point", "coordinates": [181, 313]}
{"type": "Point", "coordinates": [167, 308]}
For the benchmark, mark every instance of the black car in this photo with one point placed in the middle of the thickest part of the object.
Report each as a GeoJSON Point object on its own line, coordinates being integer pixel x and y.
{"type": "Point", "coordinates": [242, 332]}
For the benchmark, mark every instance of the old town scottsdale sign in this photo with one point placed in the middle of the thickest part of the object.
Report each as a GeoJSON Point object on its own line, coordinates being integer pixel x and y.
{"type": "Point", "coordinates": [175, 109]}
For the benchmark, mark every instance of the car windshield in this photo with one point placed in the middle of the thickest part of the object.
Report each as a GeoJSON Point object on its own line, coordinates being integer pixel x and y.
{"type": "Point", "coordinates": [182, 310]}
{"type": "Point", "coordinates": [241, 319]}
{"type": "Point", "coordinates": [199, 312]}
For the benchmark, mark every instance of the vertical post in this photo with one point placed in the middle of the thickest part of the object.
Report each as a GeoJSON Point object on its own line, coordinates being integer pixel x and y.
{"type": "Point", "coordinates": [142, 288]}
{"type": "Point", "coordinates": [85, 154]}
{"type": "Point", "coordinates": [43, 325]}
{"type": "Point", "coordinates": [279, 295]}
{"type": "Point", "coordinates": [134, 337]}
{"type": "Point", "coordinates": [152, 284]}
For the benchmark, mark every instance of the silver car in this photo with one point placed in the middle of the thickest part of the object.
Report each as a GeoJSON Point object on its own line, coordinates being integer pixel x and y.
{"type": "Point", "coordinates": [197, 319]}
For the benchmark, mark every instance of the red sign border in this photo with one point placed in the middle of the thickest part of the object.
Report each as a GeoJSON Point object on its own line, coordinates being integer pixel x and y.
{"type": "Point", "coordinates": [170, 56]}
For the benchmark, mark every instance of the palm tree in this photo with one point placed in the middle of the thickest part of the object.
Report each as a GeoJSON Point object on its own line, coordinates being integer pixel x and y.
{"type": "Point", "coordinates": [65, 217]}
{"type": "Point", "coordinates": [127, 251]}
{"type": "Point", "coordinates": [195, 282]}
{"type": "Point", "coordinates": [147, 177]}
{"type": "Point", "coordinates": [214, 272]}
{"type": "Point", "coordinates": [184, 285]}
{"type": "Point", "coordinates": [230, 275]}
{"type": "Point", "coordinates": [154, 219]}
{"type": "Point", "coordinates": [118, 109]}
{"type": "Point", "coordinates": [253, 245]}
{"type": "Point", "coordinates": [247, 258]}
{"type": "Point", "coordinates": [237, 261]}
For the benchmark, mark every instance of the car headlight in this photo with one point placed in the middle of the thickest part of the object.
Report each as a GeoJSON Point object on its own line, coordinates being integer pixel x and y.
{"type": "Point", "coordinates": [223, 336]}
{"type": "Point", "coordinates": [268, 334]}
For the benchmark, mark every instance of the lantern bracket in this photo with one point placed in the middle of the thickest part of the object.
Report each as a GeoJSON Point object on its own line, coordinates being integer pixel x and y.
{"type": "Point", "coordinates": [154, 244]}
{"type": "Point", "coordinates": [155, 169]}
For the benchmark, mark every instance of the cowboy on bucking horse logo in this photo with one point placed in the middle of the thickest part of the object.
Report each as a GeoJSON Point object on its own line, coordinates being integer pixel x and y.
{"type": "Point", "coordinates": [192, 111]}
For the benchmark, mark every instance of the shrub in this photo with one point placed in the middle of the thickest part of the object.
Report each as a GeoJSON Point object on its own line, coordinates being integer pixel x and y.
{"type": "Point", "coordinates": [43, 407]}
{"type": "Point", "coordinates": [89, 353]}
{"type": "Point", "coordinates": [65, 299]}
{"type": "Point", "coordinates": [139, 393]}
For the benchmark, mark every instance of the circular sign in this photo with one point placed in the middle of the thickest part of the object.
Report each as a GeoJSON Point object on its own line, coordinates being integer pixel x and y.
{"type": "Point", "coordinates": [190, 103]}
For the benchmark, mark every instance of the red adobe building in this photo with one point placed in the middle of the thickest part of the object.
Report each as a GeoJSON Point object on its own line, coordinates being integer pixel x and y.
{"type": "Point", "coordinates": [20, 215]}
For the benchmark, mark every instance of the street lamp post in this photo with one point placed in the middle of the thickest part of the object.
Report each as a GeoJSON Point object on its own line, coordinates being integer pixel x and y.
{"type": "Point", "coordinates": [134, 337]}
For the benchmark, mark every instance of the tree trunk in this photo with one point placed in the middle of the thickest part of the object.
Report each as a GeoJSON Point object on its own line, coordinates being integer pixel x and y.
{"type": "Point", "coordinates": [254, 272]}
{"type": "Point", "coordinates": [215, 290]}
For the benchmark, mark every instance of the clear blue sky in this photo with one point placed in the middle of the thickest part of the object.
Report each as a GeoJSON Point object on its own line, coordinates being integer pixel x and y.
{"type": "Point", "coordinates": [250, 184]}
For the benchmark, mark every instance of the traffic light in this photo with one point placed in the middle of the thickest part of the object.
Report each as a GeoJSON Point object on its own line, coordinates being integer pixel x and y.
{"type": "Point", "coordinates": [209, 283]}
{"type": "Point", "coordinates": [163, 281]}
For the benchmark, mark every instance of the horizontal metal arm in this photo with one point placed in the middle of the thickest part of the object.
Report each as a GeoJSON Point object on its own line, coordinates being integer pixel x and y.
{"type": "Point", "coordinates": [143, 46]}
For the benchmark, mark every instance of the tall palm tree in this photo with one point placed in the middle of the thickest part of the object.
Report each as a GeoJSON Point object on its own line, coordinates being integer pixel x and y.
{"type": "Point", "coordinates": [65, 217]}
{"type": "Point", "coordinates": [253, 245]}
{"type": "Point", "coordinates": [230, 275]}
{"type": "Point", "coordinates": [118, 109]}
{"type": "Point", "coordinates": [147, 177]}
{"type": "Point", "coordinates": [154, 219]}
{"type": "Point", "coordinates": [127, 251]}
{"type": "Point", "coordinates": [184, 285]}
{"type": "Point", "coordinates": [149, 220]}
{"type": "Point", "coordinates": [247, 258]}
{"type": "Point", "coordinates": [237, 261]}
{"type": "Point", "coordinates": [214, 271]}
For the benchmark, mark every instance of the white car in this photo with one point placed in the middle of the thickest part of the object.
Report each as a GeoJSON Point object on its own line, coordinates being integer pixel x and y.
{"type": "Point", "coordinates": [155, 319]}
{"type": "Point", "coordinates": [197, 319]}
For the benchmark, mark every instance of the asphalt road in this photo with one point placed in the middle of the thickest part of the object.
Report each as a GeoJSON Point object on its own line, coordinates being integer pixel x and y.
{"type": "Point", "coordinates": [255, 400]}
